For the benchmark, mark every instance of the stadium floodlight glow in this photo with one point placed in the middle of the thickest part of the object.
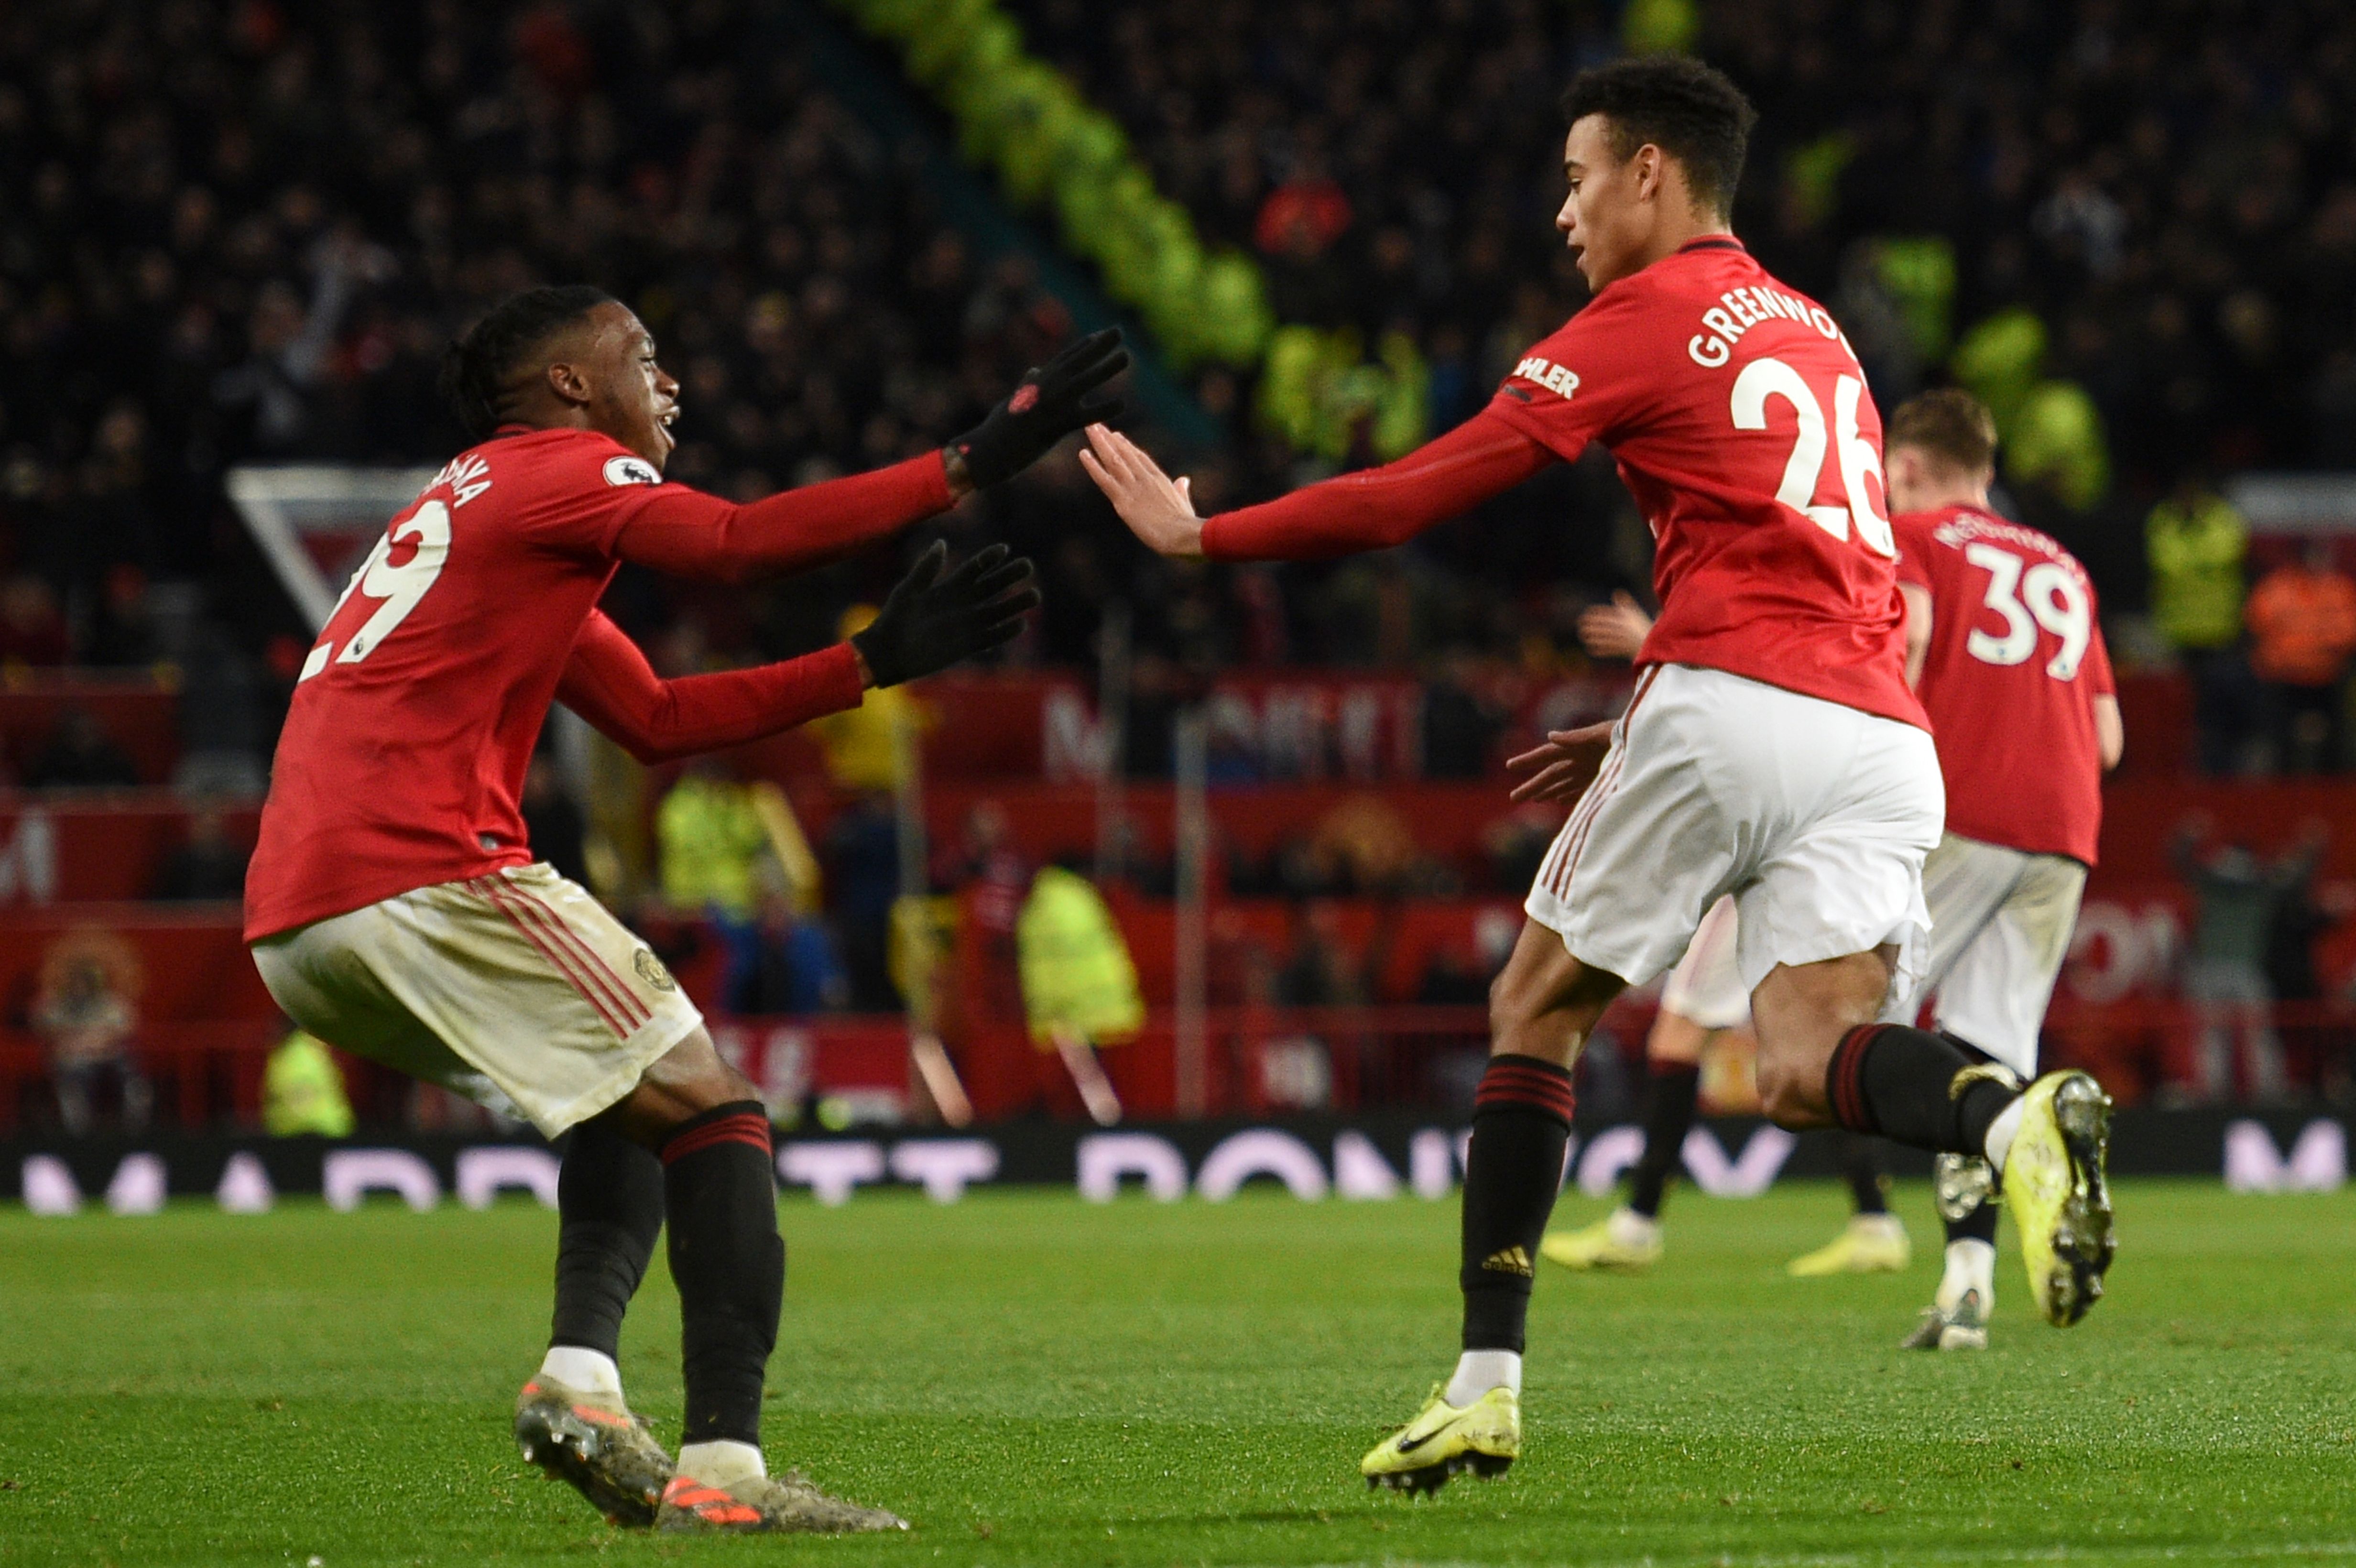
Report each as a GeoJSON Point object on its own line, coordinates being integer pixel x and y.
{"type": "Point", "coordinates": [313, 520]}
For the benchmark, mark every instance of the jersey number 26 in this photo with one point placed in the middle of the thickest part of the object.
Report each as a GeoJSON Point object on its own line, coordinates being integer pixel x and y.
{"type": "Point", "coordinates": [1769, 377]}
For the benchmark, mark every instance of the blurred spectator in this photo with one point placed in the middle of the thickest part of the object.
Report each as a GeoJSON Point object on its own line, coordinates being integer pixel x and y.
{"type": "Point", "coordinates": [2302, 621]}
{"type": "Point", "coordinates": [991, 878]}
{"type": "Point", "coordinates": [552, 825]}
{"type": "Point", "coordinates": [80, 755]}
{"type": "Point", "coordinates": [800, 971]}
{"type": "Point", "coordinates": [209, 865]}
{"type": "Point", "coordinates": [86, 1016]}
{"type": "Point", "coordinates": [863, 745]}
{"type": "Point", "coordinates": [711, 843]}
{"type": "Point", "coordinates": [302, 1090]}
{"type": "Point", "coordinates": [2238, 896]}
{"type": "Point", "coordinates": [1321, 972]}
{"type": "Point", "coordinates": [2196, 542]}
{"type": "Point", "coordinates": [32, 632]}
{"type": "Point", "coordinates": [1078, 977]}
{"type": "Point", "coordinates": [863, 868]}
{"type": "Point", "coordinates": [1461, 722]}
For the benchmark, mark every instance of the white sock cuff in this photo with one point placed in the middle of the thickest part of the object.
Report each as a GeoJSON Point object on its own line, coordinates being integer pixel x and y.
{"type": "Point", "coordinates": [1478, 1371]}
{"type": "Point", "coordinates": [2001, 1131]}
{"type": "Point", "coordinates": [721, 1464]}
{"type": "Point", "coordinates": [589, 1371]}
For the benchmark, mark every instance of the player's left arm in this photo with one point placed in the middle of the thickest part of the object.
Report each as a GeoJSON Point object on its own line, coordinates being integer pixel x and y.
{"type": "Point", "coordinates": [2110, 726]}
{"type": "Point", "coordinates": [686, 533]}
{"type": "Point", "coordinates": [1918, 631]}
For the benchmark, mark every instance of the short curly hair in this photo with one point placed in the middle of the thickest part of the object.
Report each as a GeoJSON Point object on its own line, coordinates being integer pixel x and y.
{"type": "Point", "coordinates": [475, 369]}
{"type": "Point", "coordinates": [1688, 110]}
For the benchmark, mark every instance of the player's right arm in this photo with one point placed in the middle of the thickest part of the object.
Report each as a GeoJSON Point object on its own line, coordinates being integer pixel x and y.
{"type": "Point", "coordinates": [1375, 508]}
{"type": "Point", "coordinates": [609, 683]}
{"type": "Point", "coordinates": [1567, 391]}
{"type": "Point", "coordinates": [936, 616]}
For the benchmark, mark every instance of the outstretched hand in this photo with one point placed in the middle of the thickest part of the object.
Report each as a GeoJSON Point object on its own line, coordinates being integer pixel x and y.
{"type": "Point", "coordinates": [1049, 403]}
{"type": "Point", "coordinates": [1613, 631]}
{"type": "Point", "coordinates": [1158, 510]}
{"type": "Point", "coordinates": [1565, 764]}
{"type": "Point", "coordinates": [932, 621]}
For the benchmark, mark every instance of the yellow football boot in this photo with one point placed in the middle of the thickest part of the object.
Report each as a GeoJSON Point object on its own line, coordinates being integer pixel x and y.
{"type": "Point", "coordinates": [1483, 1438]}
{"type": "Point", "coordinates": [2053, 1183]}
{"type": "Point", "coordinates": [1872, 1244]}
{"type": "Point", "coordinates": [1622, 1240]}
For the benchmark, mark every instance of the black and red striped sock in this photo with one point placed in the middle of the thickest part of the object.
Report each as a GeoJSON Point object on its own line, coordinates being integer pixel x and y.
{"type": "Point", "coordinates": [720, 1193]}
{"type": "Point", "coordinates": [1521, 1126]}
{"type": "Point", "coordinates": [1900, 1083]}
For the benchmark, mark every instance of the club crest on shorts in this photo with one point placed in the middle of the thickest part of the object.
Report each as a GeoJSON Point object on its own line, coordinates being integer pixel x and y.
{"type": "Point", "coordinates": [631, 471]}
{"type": "Point", "coordinates": [651, 969]}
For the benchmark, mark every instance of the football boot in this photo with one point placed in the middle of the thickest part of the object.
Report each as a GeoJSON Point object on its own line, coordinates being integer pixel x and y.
{"type": "Point", "coordinates": [1869, 1243]}
{"type": "Point", "coordinates": [1484, 1437]}
{"type": "Point", "coordinates": [764, 1504]}
{"type": "Point", "coordinates": [1622, 1240]}
{"type": "Point", "coordinates": [2055, 1185]}
{"type": "Point", "coordinates": [593, 1442]}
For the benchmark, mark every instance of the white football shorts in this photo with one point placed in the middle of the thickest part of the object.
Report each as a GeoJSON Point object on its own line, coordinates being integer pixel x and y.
{"type": "Point", "coordinates": [1816, 817]}
{"type": "Point", "coordinates": [2001, 923]}
{"type": "Point", "coordinates": [517, 990]}
{"type": "Point", "coordinates": [1705, 988]}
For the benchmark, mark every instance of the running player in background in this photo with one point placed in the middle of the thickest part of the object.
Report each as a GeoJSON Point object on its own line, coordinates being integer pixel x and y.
{"type": "Point", "coordinates": [2005, 650]}
{"type": "Point", "coordinates": [1771, 749]}
{"type": "Point", "coordinates": [394, 907]}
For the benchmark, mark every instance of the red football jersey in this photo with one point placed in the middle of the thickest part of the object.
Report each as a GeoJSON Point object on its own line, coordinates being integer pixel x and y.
{"type": "Point", "coordinates": [1742, 425]}
{"type": "Point", "coordinates": [2015, 663]}
{"type": "Point", "coordinates": [404, 755]}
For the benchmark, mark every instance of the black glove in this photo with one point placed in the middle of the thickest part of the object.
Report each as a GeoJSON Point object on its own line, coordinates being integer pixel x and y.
{"type": "Point", "coordinates": [1045, 409]}
{"type": "Point", "coordinates": [931, 621]}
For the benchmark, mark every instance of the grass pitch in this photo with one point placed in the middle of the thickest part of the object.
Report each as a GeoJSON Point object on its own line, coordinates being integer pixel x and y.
{"type": "Point", "coordinates": [1033, 1380]}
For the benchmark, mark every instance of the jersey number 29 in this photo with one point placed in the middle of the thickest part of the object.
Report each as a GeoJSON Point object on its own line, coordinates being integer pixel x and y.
{"type": "Point", "coordinates": [400, 587]}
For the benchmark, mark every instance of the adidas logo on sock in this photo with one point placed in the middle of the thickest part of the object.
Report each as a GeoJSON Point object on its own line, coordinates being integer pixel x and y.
{"type": "Point", "coordinates": [1513, 1260]}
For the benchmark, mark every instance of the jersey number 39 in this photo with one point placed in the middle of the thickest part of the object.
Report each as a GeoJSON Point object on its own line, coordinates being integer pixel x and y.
{"type": "Point", "coordinates": [400, 587]}
{"type": "Point", "coordinates": [2047, 595]}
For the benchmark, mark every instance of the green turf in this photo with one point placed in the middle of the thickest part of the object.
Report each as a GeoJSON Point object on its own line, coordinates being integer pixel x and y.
{"type": "Point", "coordinates": [1036, 1380]}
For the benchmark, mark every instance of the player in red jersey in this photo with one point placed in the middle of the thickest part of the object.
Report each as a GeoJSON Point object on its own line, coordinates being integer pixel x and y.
{"type": "Point", "coordinates": [1771, 749]}
{"type": "Point", "coordinates": [394, 908]}
{"type": "Point", "coordinates": [2010, 663]}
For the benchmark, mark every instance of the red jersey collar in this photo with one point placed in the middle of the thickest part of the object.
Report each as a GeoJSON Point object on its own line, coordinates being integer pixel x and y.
{"type": "Point", "coordinates": [1711, 242]}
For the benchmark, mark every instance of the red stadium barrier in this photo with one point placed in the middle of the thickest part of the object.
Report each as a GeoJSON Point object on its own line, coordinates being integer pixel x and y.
{"type": "Point", "coordinates": [140, 712]}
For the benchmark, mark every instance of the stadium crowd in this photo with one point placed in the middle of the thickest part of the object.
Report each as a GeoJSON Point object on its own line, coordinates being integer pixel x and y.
{"type": "Point", "coordinates": [239, 230]}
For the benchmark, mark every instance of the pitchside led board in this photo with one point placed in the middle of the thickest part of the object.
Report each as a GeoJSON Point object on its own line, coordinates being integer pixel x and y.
{"type": "Point", "coordinates": [1312, 1159]}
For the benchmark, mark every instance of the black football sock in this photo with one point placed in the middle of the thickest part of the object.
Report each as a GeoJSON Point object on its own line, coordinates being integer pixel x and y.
{"type": "Point", "coordinates": [1520, 1127]}
{"type": "Point", "coordinates": [1860, 1165]}
{"type": "Point", "coordinates": [729, 1262]}
{"type": "Point", "coordinates": [1979, 1225]}
{"type": "Point", "coordinates": [1666, 1121]}
{"type": "Point", "coordinates": [609, 1205]}
{"type": "Point", "coordinates": [1901, 1083]}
